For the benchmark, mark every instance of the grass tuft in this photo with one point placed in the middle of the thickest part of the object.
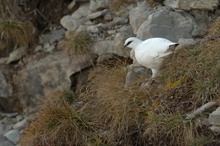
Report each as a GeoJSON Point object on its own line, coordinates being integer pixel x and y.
{"type": "Point", "coordinates": [16, 32]}
{"type": "Point", "coordinates": [78, 43]}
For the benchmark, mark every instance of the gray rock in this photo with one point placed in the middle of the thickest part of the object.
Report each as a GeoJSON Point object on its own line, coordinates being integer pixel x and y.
{"type": "Point", "coordinates": [20, 125]}
{"type": "Point", "coordinates": [70, 23]}
{"type": "Point", "coordinates": [53, 36]}
{"type": "Point", "coordinates": [192, 4]}
{"type": "Point", "coordinates": [82, 12]}
{"type": "Point", "coordinates": [45, 72]}
{"type": "Point", "coordinates": [186, 42]}
{"type": "Point", "coordinates": [98, 4]}
{"type": "Point", "coordinates": [38, 48]}
{"type": "Point", "coordinates": [136, 73]}
{"type": "Point", "coordinates": [119, 21]}
{"type": "Point", "coordinates": [93, 29]}
{"type": "Point", "coordinates": [13, 136]}
{"type": "Point", "coordinates": [72, 4]}
{"type": "Point", "coordinates": [108, 17]}
{"type": "Point", "coordinates": [5, 88]}
{"type": "Point", "coordinates": [3, 60]}
{"type": "Point", "coordinates": [167, 24]}
{"type": "Point", "coordinates": [101, 47]}
{"type": "Point", "coordinates": [17, 54]}
{"type": "Point", "coordinates": [5, 142]}
{"type": "Point", "coordinates": [48, 48]}
{"type": "Point", "coordinates": [215, 129]}
{"type": "Point", "coordinates": [214, 117]}
{"type": "Point", "coordinates": [97, 14]}
{"type": "Point", "coordinates": [138, 15]}
{"type": "Point", "coordinates": [118, 43]}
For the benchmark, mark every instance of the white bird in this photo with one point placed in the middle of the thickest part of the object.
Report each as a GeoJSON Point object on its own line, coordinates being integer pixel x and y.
{"type": "Point", "coordinates": [151, 52]}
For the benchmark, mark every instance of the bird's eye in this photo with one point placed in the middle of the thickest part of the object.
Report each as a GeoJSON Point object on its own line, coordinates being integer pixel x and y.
{"type": "Point", "coordinates": [129, 43]}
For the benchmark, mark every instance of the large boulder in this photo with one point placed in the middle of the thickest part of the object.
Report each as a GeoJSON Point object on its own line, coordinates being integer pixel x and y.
{"type": "Point", "coordinates": [138, 15]}
{"type": "Point", "coordinates": [46, 72]}
{"type": "Point", "coordinates": [168, 24]}
{"type": "Point", "coordinates": [192, 4]}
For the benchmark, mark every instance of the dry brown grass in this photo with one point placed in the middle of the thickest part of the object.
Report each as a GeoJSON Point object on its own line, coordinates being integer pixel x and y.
{"type": "Point", "coordinates": [117, 4]}
{"type": "Point", "coordinates": [77, 43]}
{"type": "Point", "coordinates": [16, 33]}
{"type": "Point", "coordinates": [58, 123]}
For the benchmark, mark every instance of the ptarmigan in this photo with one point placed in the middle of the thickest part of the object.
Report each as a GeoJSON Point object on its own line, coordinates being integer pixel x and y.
{"type": "Point", "coordinates": [151, 52]}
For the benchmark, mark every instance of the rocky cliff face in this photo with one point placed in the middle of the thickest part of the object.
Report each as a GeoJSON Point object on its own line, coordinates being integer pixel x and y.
{"type": "Point", "coordinates": [27, 76]}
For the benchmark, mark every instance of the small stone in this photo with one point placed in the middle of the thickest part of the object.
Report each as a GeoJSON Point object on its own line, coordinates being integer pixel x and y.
{"type": "Point", "coordinates": [72, 4]}
{"type": "Point", "coordinates": [120, 21]}
{"type": "Point", "coordinates": [13, 136]}
{"type": "Point", "coordinates": [108, 17]}
{"type": "Point", "coordinates": [215, 129]}
{"type": "Point", "coordinates": [97, 14]}
{"type": "Point", "coordinates": [3, 60]}
{"type": "Point", "coordinates": [20, 125]}
{"type": "Point", "coordinates": [5, 87]}
{"type": "Point", "coordinates": [93, 29]}
{"type": "Point", "coordinates": [17, 54]}
{"type": "Point", "coordinates": [214, 117]}
{"type": "Point", "coordinates": [38, 48]}
{"type": "Point", "coordinates": [110, 32]}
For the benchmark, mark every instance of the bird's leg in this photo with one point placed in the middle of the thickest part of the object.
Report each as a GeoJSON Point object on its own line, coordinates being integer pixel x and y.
{"type": "Point", "coordinates": [151, 80]}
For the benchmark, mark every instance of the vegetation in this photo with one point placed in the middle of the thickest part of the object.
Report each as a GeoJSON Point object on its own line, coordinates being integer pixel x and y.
{"type": "Point", "coordinates": [78, 43]}
{"type": "Point", "coordinates": [114, 115]}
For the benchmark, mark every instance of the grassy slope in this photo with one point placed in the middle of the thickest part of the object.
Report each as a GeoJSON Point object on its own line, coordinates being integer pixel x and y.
{"type": "Point", "coordinates": [113, 115]}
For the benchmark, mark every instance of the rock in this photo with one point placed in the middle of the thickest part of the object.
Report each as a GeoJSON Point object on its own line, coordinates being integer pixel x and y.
{"type": "Point", "coordinates": [93, 29]}
{"type": "Point", "coordinates": [53, 36]}
{"type": "Point", "coordinates": [98, 4]}
{"type": "Point", "coordinates": [5, 87]}
{"type": "Point", "coordinates": [108, 17]}
{"type": "Point", "coordinates": [215, 129]}
{"type": "Point", "coordinates": [119, 21]}
{"type": "Point", "coordinates": [13, 136]}
{"type": "Point", "coordinates": [138, 15]}
{"type": "Point", "coordinates": [214, 117]}
{"type": "Point", "coordinates": [45, 72]}
{"type": "Point", "coordinates": [82, 12]}
{"type": "Point", "coordinates": [101, 47]}
{"type": "Point", "coordinates": [17, 54]}
{"type": "Point", "coordinates": [48, 48]}
{"type": "Point", "coordinates": [69, 23]}
{"type": "Point", "coordinates": [1, 128]}
{"type": "Point", "coordinates": [20, 125]}
{"type": "Point", "coordinates": [3, 60]}
{"type": "Point", "coordinates": [192, 4]}
{"type": "Point", "coordinates": [38, 48]}
{"type": "Point", "coordinates": [72, 4]}
{"type": "Point", "coordinates": [5, 142]}
{"type": "Point", "coordinates": [186, 42]}
{"type": "Point", "coordinates": [167, 24]}
{"type": "Point", "coordinates": [118, 43]}
{"type": "Point", "coordinates": [135, 74]}
{"type": "Point", "coordinates": [97, 14]}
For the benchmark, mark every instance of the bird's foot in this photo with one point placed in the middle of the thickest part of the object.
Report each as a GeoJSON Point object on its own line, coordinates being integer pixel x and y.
{"type": "Point", "coordinates": [147, 84]}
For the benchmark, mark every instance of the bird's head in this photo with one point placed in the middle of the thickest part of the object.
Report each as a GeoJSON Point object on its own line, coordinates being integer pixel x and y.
{"type": "Point", "coordinates": [131, 42]}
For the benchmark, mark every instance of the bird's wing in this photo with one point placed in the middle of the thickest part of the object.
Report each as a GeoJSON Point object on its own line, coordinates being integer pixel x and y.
{"type": "Point", "coordinates": [156, 47]}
